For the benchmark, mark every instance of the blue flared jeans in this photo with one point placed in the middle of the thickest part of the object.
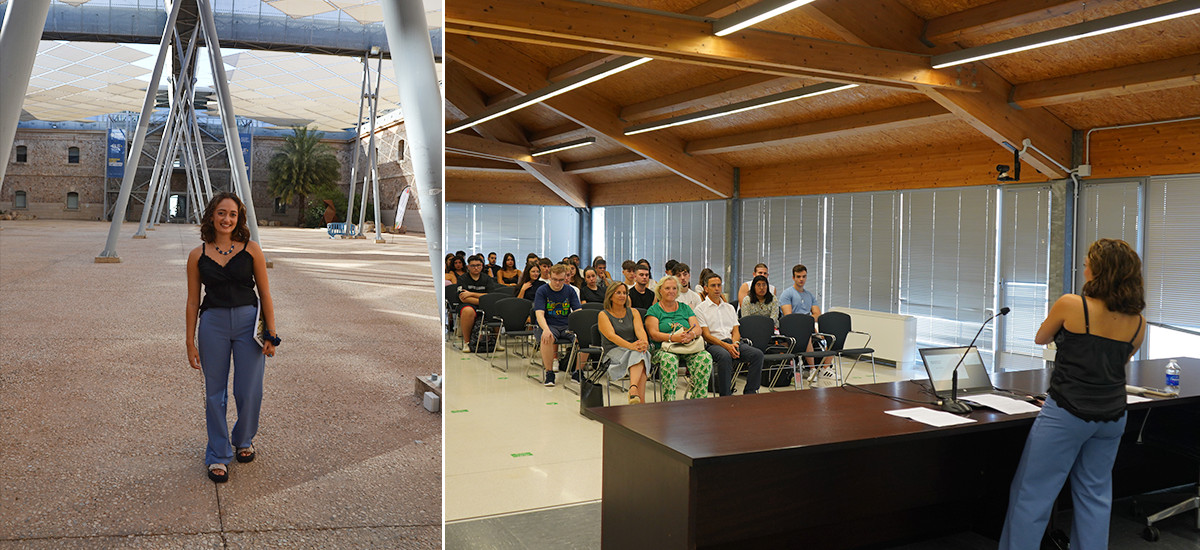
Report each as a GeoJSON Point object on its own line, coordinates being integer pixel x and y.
{"type": "Point", "coordinates": [226, 333]}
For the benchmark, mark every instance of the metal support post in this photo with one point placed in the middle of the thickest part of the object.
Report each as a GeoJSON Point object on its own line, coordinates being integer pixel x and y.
{"type": "Point", "coordinates": [232, 142]}
{"type": "Point", "coordinates": [362, 97]}
{"type": "Point", "coordinates": [109, 254]}
{"type": "Point", "coordinates": [19, 36]}
{"type": "Point", "coordinates": [421, 100]}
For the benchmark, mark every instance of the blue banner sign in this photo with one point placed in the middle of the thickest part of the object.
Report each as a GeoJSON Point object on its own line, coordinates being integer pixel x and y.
{"type": "Point", "coordinates": [116, 153]}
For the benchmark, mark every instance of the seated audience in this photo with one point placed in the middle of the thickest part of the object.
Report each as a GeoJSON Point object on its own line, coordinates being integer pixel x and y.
{"type": "Point", "coordinates": [795, 299]}
{"type": "Point", "coordinates": [602, 271]}
{"type": "Point", "coordinates": [640, 295]}
{"type": "Point", "coordinates": [457, 270]}
{"type": "Point", "coordinates": [552, 304]}
{"type": "Point", "coordinates": [531, 279]}
{"type": "Point", "coordinates": [629, 271]}
{"type": "Point", "coordinates": [652, 283]}
{"type": "Point", "coordinates": [704, 274]}
{"type": "Point", "coordinates": [624, 340]}
{"type": "Point", "coordinates": [491, 268]}
{"type": "Point", "coordinates": [761, 301]}
{"type": "Point", "coordinates": [719, 323]}
{"type": "Point", "coordinates": [471, 286]}
{"type": "Point", "coordinates": [670, 321]}
{"type": "Point", "coordinates": [688, 296]}
{"type": "Point", "coordinates": [508, 275]}
{"type": "Point", "coordinates": [591, 291]}
{"type": "Point", "coordinates": [744, 290]}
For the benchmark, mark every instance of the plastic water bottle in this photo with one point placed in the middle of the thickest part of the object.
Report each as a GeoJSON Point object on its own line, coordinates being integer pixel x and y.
{"type": "Point", "coordinates": [1173, 377]}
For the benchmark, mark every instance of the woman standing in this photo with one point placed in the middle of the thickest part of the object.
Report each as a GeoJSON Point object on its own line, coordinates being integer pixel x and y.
{"type": "Point", "coordinates": [669, 320]}
{"type": "Point", "coordinates": [229, 266]}
{"type": "Point", "coordinates": [509, 275]}
{"type": "Point", "coordinates": [624, 341]}
{"type": "Point", "coordinates": [1079, 428]}
{"type": "Point", "coordinates": [760, 301]}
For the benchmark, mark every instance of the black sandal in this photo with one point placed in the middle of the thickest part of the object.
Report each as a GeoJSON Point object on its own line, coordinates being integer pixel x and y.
{"type": "Point", "coordinates": [245, 457]}
{"type": "Point", "coordinates": [218, 472]}
{"type": "Point", "coordinates": [633, 398]}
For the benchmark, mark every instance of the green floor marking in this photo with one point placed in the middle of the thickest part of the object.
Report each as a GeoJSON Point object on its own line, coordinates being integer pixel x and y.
{"type": "Point", "coordinates": [518, 455]}
{"type": "Point", "coordinates": [459, 411]}
{"type": "Point", "coordinates": [552, 403]}
{"type": "Point", "coordinates": [503, 378]}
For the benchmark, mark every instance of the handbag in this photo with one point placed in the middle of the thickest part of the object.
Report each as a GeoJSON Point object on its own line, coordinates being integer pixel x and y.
{"type": "Point", "coordinates": [260, 325]}
{"type": "Point", "coordinates": [679, 348]}
{"type": "Point", "coordinates": [591, 391]}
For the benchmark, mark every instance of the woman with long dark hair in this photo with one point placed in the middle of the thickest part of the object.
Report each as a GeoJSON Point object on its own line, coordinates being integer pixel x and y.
{"type": "Point", "coordinates": [1079, 428]}
{"type": "Point", "coordinates": [230, 267]}
{"type": "Point", "coordinates": [760, 301]}
{"type": "Point", "coordinates": [457, 269]}
{"type": "Point", "coordinates": [508, 275]}
{"type": "Point", "coordinates": [530, 281]}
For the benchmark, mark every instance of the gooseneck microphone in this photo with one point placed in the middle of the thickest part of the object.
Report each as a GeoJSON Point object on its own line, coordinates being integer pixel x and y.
{"type": "Point", "coordinates": [953, 405]}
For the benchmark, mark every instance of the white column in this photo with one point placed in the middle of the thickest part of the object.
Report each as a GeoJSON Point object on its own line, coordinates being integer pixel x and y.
{"type": "Point", "coordinates": [109, 254]}
{"type": "Point", "coordinates": [19, 37]}
{"type": "Point", "coordinates": [421, 100]}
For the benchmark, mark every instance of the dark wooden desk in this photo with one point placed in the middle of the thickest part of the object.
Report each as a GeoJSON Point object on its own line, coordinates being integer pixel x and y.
{"type": "Point", "coordinates": [827, 468]}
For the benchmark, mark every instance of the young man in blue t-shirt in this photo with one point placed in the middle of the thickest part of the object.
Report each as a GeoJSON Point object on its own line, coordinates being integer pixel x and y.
{"type": "Point", "coordinates": [552, 304]}
{"type": "Point", "coordinates": [797, 300]}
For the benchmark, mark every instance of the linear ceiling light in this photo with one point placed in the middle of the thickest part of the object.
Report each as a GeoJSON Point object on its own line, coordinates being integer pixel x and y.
{"type": "Point", "coordinates": [752, 15]}
{"type": "Point", "coordinates": [598, 72]}
{"type": "Point", "coordinates": [562, 146]}
{"type": "Point", "coordinates": [1128, 20]}
{"type": "Point", "coordinates": [741, 106]}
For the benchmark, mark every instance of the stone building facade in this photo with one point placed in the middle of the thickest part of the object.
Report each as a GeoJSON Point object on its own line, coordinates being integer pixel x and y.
{"type": "Point", "coordinates": [41, 179]}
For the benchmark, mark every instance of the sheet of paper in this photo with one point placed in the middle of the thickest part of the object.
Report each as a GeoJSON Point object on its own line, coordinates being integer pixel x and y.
{"type": "Point", "coordinates": [1131, 399]}
{"type": "Point", "coordinates": [1006, 405]}
{"type": "Point", "coordinates": [930, 416]}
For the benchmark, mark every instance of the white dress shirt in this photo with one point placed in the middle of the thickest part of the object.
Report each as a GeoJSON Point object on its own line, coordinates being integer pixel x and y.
{"type": "Point", "coordinates": [720, 319]}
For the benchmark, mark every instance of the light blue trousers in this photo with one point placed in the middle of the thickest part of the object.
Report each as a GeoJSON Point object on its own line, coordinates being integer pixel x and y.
{"type": "Point", "coordinates": [222, 333]}
{"type": "Point", "coordinates": [1062, 445]}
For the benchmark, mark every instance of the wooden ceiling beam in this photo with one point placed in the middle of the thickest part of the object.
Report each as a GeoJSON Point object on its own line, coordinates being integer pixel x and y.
{"type": "Point", "coordinates": [474, 164]}
{"type": "Point", "coordinates": [987, 110]}
{"type": "Point", "coordinates": [622, 160]}
{"type": "Point", "coordinates": [464, 98]}
{"type": "Point", "coordinates": [519, 72]}
{"type": "Point", "coordinates": [1000, 16]}
{"type": "Point", "coordinates": [479, 147]}
{"type": "Point", "coordinates": [563, 23]}
{"type": "Point", "coordinates": [560, 133]}
{"type": "Point", "coordinates": [904, 116]}
{"type": "Point", "coordinates": [1131, 79]}
{"type": "Point", "coordinates": [580, 64]}
{"type": "Point", "coordinates": [473, 190]}
{"type": "Point", "coordinates": [721, 91]}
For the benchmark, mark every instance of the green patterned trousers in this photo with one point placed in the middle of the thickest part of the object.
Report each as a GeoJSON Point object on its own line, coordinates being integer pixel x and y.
{"type": "Point", "coordinates": [699, 366]}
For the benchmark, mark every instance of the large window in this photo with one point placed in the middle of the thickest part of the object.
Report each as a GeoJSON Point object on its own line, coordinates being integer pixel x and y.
{"type": "Point", "coordinates": [72, 201]}
{"type": "Point", "coordinates": [1172, 255]}
{"type": "Point", "coordinates": [22, 154]}
{"type": "Point", "coordinates": [548, 231]}
{"type": "Point", "coordinates": [20, 200]}
{"type": "Point", "coordinates": [690, 232]}
{"type": "Point", "coordinates": [73, 155]}
{"type": "Point", "coordinates": [782, 232]}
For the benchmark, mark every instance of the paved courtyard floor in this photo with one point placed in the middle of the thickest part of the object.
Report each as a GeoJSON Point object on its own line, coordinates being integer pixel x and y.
{"type": "Point", "coordinates": [102, 421]}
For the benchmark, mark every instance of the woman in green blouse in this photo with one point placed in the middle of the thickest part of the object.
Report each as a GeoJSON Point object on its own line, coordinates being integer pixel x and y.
{"type": "Point", "coordinates": [669, 320]}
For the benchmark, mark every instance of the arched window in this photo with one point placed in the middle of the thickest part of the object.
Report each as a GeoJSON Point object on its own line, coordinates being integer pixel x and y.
{"type": "Point", "coordinates": [400, 150]}
{"type": "Point", "coordinates": [19, 200]}
{"type": "Point", "coordinates": [22, 154]}
{"type": "Point", "coordinates": [73, 155]}
{"type": "Point", "coordinates": [72, 201]}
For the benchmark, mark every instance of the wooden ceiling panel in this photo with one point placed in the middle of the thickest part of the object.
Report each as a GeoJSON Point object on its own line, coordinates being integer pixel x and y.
{"type": "Point", "coordinates": [833, 105]}
{"type": "Point", "coordinates": [640, 170]}
{"type": "Point", "coordinates": [1138, 45]}
{"type": "Point", "coordinates": [655, 79]}
{"type": "Point", "coordinates": [929, 9]}
{"type": "Point", "coordinates": [1082, 12]}
{"type": "Point", "coordinates": [912, 140]}
{"type": "Point", "coordinates": [1131, 109]}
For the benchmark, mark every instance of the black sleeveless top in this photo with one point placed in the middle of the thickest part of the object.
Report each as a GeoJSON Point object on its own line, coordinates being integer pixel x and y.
{"type": "Point", "coordinates": [231, 285]}
{"type": "Point", "coordinates": [1089, 373]}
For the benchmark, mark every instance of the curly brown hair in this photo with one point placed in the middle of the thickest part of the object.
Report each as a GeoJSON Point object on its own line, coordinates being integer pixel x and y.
{"type": "Point", "coordinates": [208, 233]}
{"type": "Point", "coordinates": [1116, 276]}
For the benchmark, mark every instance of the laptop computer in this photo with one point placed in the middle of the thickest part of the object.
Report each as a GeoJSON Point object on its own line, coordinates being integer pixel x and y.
{"type": "Point", "coordinates": [972, 375]}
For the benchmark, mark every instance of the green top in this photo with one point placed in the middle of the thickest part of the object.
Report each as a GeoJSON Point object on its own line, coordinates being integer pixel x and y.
{"type": "Point", "coordinates": [666, 319]}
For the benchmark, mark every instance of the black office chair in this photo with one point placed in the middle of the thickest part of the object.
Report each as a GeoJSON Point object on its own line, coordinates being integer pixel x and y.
{"type": "Point", "coordinates": [777, 350]}
{"type": "Point", "coordinates": [802, 328]}
{"type": "Point", "coordinates": [837, 323]}
{"type": "Point", "coordinates": [486, 320]}
{"type": "Point", "coordinates": [579, 325]}
{"type": "Point", "coordinates": [514, 318]}
{"type": "Point", "coordinates": [451, 303]}
{"type": "Point", "coordinates": [593, 305]}
{"type": "Point", "coordinates": [1175, 432]}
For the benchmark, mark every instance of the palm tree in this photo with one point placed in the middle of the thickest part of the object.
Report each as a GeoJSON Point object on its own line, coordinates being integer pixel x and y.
{"type": "Point", "coordinates": [302, 167]}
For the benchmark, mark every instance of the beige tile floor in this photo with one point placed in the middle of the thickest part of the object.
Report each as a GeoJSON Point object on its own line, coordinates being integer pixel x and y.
{"type": "Point", "coordinates": [492, 415]}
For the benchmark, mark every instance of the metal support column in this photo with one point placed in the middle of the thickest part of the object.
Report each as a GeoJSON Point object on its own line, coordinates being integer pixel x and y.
{"type": "Point", "coordinates": [585, 235]}
{"type": "Point", "coordinates": [733, 236]}
{"type": "Point", "coordinates": [19, 37]}
{"type": "Point", "coordinates": [109, 254]}
{"type": "Point", "coordinates": [421, 100]}
{"type": "Point", "coordinates": [362, 98]}
{"type": "Point", "coordinates": [233, 143]}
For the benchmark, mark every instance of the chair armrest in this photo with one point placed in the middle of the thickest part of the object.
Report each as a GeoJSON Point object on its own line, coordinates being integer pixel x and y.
{"type": "Point", "coordinates": [867, 334]}
{"type": "Point", "coordinates": [784, 343]}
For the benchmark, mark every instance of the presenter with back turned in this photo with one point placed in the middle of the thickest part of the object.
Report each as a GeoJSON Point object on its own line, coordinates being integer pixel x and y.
{"type": "Point", "coordinates": [1079, 428]}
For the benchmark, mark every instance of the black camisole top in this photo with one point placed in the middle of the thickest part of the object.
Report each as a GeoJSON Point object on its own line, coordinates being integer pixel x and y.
{"type": "Point", "coordinates": [231, 285]}
{"type": "Point", "coordinates": [1089, 373]}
